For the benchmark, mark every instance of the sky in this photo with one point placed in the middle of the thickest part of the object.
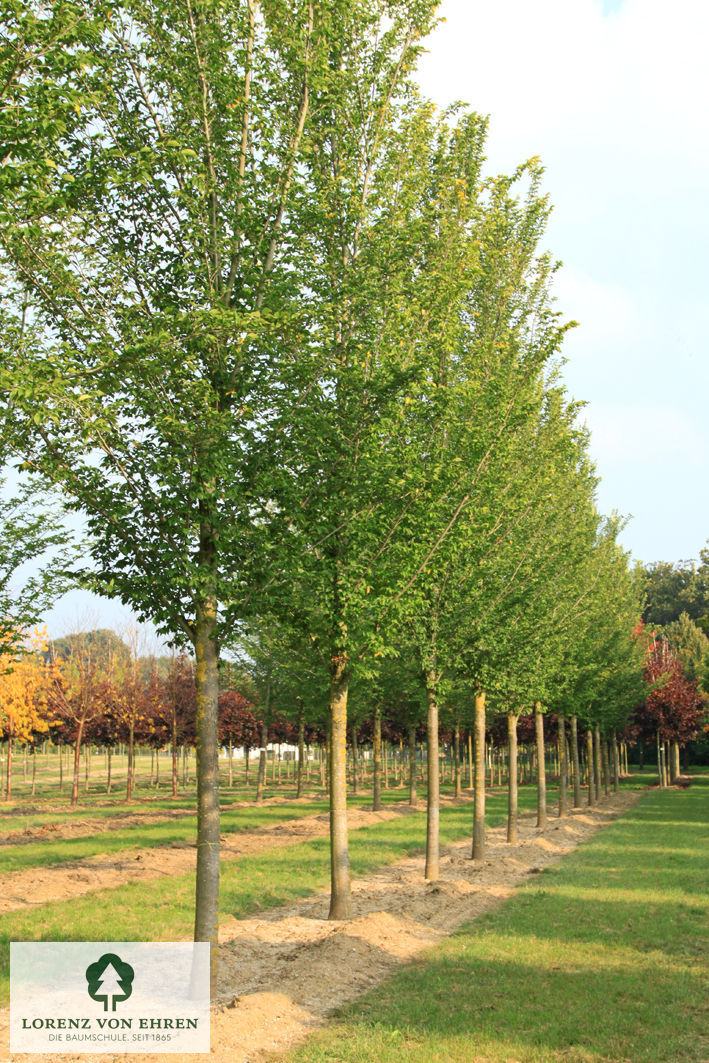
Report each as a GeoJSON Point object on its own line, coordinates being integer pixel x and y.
{"type": "Point", "coordinates": [612, 96]}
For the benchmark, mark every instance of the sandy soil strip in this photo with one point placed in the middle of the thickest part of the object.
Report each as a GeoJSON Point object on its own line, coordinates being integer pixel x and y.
{"type": "Point", "coordinates": [38, 885]}
{"type": "Point", "coordinates": [283, 972]}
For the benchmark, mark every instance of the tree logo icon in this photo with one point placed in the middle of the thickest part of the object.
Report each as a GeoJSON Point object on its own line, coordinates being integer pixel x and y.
{"type": "Point", "coordinates": [110, 980]}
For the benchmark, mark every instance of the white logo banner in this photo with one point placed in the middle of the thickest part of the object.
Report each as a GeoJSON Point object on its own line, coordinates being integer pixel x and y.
{"type": "Point", "coordinates": [109, 996]}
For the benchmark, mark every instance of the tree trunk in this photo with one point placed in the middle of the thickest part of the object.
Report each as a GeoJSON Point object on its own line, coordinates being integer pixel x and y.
{"type": "Point", "coordinates": [8, 780]}
{"type": "Point", "coordinates": [471, 764]}
{"type": "Point", "coordinates": [616, 767]}
{"type": "Point", "coordinates": [512, 800]}
{"type": "Point", "coordinates": [433, 799]}
{"type": "Point", "coordinates": [261, 778]}
{"type": "Point", "coordinates": [606, 767]}
{"type": "Point", "coordinates": [479, 791]}
{"type": "Point", "coordinates": [174, 752]}
{"type": "Point", "coordinates": [377, 751]}
{"type": "Point", "coordinates": [575, 759]}
{"type": "Point", "coordinates": [131, 760]}
{"type": "Point", "coordinates": [301, 747]}
{"type": "Point", "coordinates": [77, 762]}
{"type": "Point", "coordinates": [541, 767]}
{"type": "Point", "coordinates": [597, 761]}
{"type": "Point", "coordinates": [563, 768]}
{"type": "Point", "coordinates": [61, 767]}
{"type": "Point", "coordinates": [674, 762]}
{"type": "Point", "coordinates": [340, 893]}
{"type": "Point", "coordinates": [592, 795]}
{"type": "Point", "coordinates": [456, 761]}
{"type": "Point", "coordinates": [231, 764]}
{"type": "Point", "coordinates": [109, 760]}
{"type": "Point", "coordinates": [207, 735]}
{"type": "Point", "coordinates": [413, 799]}
{"type": "Point", "coordinates": [34, 770]}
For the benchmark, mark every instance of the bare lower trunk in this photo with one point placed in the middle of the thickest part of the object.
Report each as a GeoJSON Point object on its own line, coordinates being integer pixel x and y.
{"type": "Point", "coordinates": [575, 759]}
{"type": "Point", "coordinates": [675, 770]}
{"type": "Point", "coordinates": [301, 746]}
{"type": "Point", "coordinates": [174, 755]}
{"type": "Point", "coordinates": [207, 743]}
{"type": "Point", "coordinates": [261, 779]}
{"type": "Point", "coordinates": [592, 795]}
{"type": "Point", "coordinates": [606, 767]}
{"type": "Point", "coordinates": [563, 768]}
{"type": "Point", "coordinates": [355, 762]}
{"type": "Point", "coordinates": [340, 893]}
{"type": "Point", "coordinates": [479, 790]}
{"type": "Point", "coordinates": [77, 762]}
{"type": "Point", "coordinates": [131, 761]}
{"type": "Point", "coordinates": [597, 762]}
{"type": "Point", "coordinates": [471, 767]}
{"type": "Point", "coordinates": [541, 767]}
{"type": "Point", "coordinates": [109, 759]}
{"type": "Point", "coordinates": [512, 800]}
{"type": "Point", "coordinates": [377, 744]}
{"type": "Point", "coordinates": [412, 765]}
{"type": "Point", "coordinates": [433, 801]}
{"type": "Point", "coordinates": [8, 777]}
{"type": "Point", "coordinates": [456, 761]}
{"type": "Point", "coordinates": [615, 764]}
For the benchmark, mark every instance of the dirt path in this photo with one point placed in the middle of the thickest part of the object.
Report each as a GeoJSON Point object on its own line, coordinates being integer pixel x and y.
{"type": "Point", "coordinates": [283, 972]}
{"type": "Point", "coordinates": [39, 885]}
{"type": "Point", "coordinates": [81, 828]}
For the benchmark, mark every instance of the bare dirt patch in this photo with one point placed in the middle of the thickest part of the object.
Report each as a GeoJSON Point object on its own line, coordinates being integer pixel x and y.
{"type": "Point", "coordinates": [283, 972]}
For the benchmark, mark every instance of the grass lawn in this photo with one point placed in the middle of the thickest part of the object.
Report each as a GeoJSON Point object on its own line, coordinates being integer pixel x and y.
{"type": "Point", "coordinates": [163, 909]}
{"type": "Point", "coordinates": [602, 959]}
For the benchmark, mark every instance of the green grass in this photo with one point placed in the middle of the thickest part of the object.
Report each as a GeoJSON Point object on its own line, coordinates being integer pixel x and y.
{"type": "Point", "coordinates": [601, 959]}
{"type": "Point", "coordinates": [163, 909]}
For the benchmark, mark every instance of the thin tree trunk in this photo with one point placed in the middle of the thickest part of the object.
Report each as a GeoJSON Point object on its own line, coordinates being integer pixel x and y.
{"type": "Point", "coordinates": [8, 779]}
{"type": "Point", "coordinates": [563, 768]}
{"type": "Point", "coordinates": [674, 763]}
{"type": "Point", "coordinates": [301, 747]}
{"type": "Point", "coordinates": [616, 768]}
{"type": "Point", "coordinates": [541, 767]}
{"type": "Point", "coordinates": [512, 798]}
{"type": "Point", "coordinates": [231, 764]}
{"type": "Point", "coordinates": [592, 795]}
{"type": "Point", "coordinates": [61, 767]}
{"type": "Point", "coordinates": [575, 759]}
{"type": "Point", "coordinates": [34, 770]}
{"type": "Point", "coordinates": [377, 750]}
{"type": "Point", "coordinates": [109, 765]}
{"type": "Point", "coordinates": [479, 791]}
{"type": "Point", "coordinates": [433, 798]}
{"type": "Point", "coordinates": [456, 761]}
{"type": "Point", "coordinates": [131, 760]}
{"type": "Point", "coordinates": [207, 735]}
{"type": "Point", "coordinates": [174, 753]}
{"type": "Point", "coordinates": [606, 767]}
{"type": "Point", "coordinates": [413, 799]}
{"type": "Point", "coordinates": [261, 779]}
{"type": "Point", "coordinates": [471, 766]}
{"type": "Point", "coordinates": [77, 762]}
{"type": "Point", "coordinates": [597, 761]}
{"type": "Point", "coordinates": [340, 892]}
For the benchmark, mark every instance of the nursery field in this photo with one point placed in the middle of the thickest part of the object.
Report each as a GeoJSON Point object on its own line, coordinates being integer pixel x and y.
{"type": "Point", "coordinates": [598, 958]}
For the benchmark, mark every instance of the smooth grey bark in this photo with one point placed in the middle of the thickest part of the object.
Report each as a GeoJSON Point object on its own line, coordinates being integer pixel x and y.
{"type": "Point", "coordinates": [575, 760]}
{"type": "Point", "coordinates": [563, 768]}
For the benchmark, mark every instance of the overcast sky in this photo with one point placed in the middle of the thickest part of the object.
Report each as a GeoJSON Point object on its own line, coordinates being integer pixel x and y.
{"type": "Point", "coordinates": [612, 96]}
